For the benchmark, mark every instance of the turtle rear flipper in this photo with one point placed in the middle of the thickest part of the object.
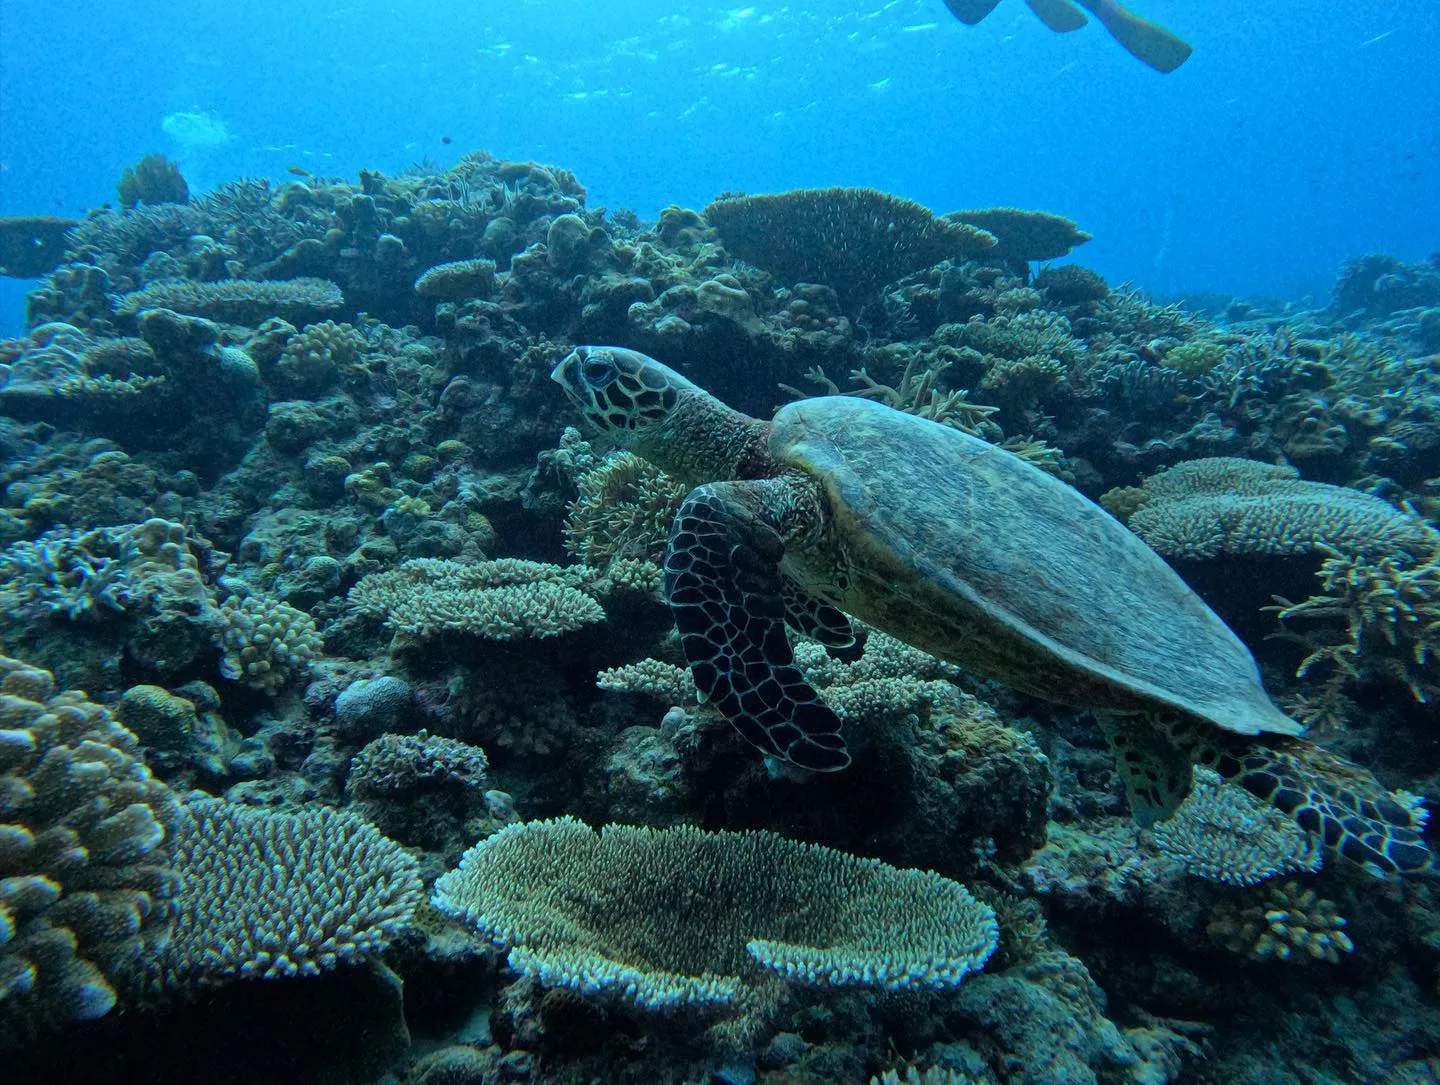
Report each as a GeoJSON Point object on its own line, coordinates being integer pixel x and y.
{"type": "Point", "coordinates": [1335, 800]}
{"type": "Point", "coordinates": [1155, 768]}
{"type": "Point", "coordinates": [726, 592]}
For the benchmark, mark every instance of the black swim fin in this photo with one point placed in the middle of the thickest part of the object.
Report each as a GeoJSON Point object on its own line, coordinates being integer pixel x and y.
{"type": "Point", "coordinates": [971, 12]}
{"type": "Point", "coordinates": [1060, 16]}
{"type": "Point", "coordinates": [1142, 39]}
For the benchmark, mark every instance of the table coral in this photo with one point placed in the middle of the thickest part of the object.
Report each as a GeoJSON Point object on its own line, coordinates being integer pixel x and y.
{"type": "Point", "coordinates": [237, 301]}
{"type": "Point", "coordinates": [853, 239]}
{"type": "Point", "coordinates": [1024, 235]}
{"type": "Point", "coordinates": [679, 916]}
{"type": "Point", "coordinates": [1206, 507]}
{"type": "Point", "coordinates": [1223, 833]}
{"type": "Point", "coordinates": [499, 600]}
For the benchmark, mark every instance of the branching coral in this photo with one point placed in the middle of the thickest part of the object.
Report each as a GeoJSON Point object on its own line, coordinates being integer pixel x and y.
{"type": "Point", "coordinates": [855, 240]}
{"type": "Point", "coordinates": [86, 885]}
{"type": "Point", "coordinates": [1223, 833]}
{"type": "Point", "coordinates": [498, 600]}
{"type": "Point", "coordinates": [915, 393]}
{"type": "Point", "coordinates": [1282, 921]}
{"type": "Point", "coordinates": [314, 357]}
{"type": "Point", "coordinates": [269, 894]}
{"type": "Point", "coordinates": [675, 916]}
{"type": "Point", "coordinates": [266, 643]}
{"type": "Point", "coordinates": [624, 509]}
{"type": "Point", "coordinates": [1389, 608]}
{"type": "Point", "coordinates": [84, 575]}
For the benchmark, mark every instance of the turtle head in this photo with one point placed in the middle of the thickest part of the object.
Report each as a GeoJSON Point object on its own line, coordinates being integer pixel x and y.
{"type": "Point", "coordinates": [653, 411]}
{"type": "Point", "coordinates": [621, 392]}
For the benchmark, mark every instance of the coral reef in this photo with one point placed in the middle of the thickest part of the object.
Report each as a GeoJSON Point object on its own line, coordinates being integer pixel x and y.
{"type": "Point", "coordinates": [280, 488]}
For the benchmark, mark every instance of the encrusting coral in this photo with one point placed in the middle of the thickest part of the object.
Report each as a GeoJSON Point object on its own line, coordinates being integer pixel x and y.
{"type": "Point", "coordinates": [676, 916]}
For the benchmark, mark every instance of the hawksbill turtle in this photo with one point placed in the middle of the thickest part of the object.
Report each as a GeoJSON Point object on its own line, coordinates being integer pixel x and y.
{"type": "Point", "coordinates": [841, 505]}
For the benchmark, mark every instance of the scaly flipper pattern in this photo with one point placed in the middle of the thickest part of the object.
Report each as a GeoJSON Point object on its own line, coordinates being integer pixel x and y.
{"type": "Point", "coordinates": [725, 589]}
{"type": "Point", "coordinates": [818, 620]}
{"type": "Point", "coordinates": [1339, 803]}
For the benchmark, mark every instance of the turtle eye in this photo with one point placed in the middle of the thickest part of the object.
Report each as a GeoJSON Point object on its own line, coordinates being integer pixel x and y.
{"type": "Point", "coordinates": [598, 374]}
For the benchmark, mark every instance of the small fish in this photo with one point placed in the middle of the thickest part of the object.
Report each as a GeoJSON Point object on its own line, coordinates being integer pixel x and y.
{"type": "Point", "coordinates": [446, 140]}
{"type": "Point", "coordinates": [1142, 39]}
{"type": "Point", "coordinates": [298, 171]}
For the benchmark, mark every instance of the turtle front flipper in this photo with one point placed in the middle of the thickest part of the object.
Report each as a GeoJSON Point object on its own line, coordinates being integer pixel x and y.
{"type": "Point", "coordinates": [820, 621]}
{"type": "Point", "coordinates": [725, 589]}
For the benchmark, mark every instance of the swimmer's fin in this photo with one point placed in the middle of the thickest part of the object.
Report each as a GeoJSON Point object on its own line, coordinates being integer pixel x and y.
{"type": "Point", "coordinates": [1142, 39]}
{"type": "Point", "coordinates": [1060, 16]}
{"type": "Point", "coordinates": [971, 12]}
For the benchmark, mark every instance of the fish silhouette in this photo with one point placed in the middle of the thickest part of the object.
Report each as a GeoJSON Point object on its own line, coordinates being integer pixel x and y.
{"type": "Point", "coordinates": [1142, 39]}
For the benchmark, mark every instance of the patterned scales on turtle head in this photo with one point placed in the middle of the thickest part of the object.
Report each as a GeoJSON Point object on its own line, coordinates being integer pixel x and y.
{"type": "Point", "coordinates": [967, 552]}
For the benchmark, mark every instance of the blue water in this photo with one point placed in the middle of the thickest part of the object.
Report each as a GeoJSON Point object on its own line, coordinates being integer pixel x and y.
{"type": "Point", "coordinates": [1298, 134]}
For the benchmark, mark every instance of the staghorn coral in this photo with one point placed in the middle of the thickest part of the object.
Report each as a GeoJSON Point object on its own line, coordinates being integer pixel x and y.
{"type": "Point", "coordinates": [266, 643]}
{"type": "Point", "coordinates": [1281, 921]}
{"type": "Point", "coordinates": [498, 600]}
{"type": "Point", "coordinates": [915, 393]}
{"type": "Point", "coordinates": [268, 894]}
{"type": "Point", "coordinates": [1206, 507]}
{"type": "Point", "coordinates": [623, 510]}
{"type": "Point", "coordinates": [86, 885]}
{"type": "Point", "coordinates": [855, 240]}
{"type": "Point", "coordinates": [1224, 834]}
{"type": "Point", "coordinates": [1024, 235]}
{"type": "Point", "coordinates": [237, 301]}
{"type": "Point", "coordinates": [1389, 608]}
{"type": "Point", "coordinates": [674, 916]}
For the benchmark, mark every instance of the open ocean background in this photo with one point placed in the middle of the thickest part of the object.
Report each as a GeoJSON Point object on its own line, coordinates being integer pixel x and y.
{"type": "Point", "coordinates": [1297, 136]}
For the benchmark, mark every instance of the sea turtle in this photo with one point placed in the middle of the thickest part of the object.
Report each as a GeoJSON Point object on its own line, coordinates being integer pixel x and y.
{"type": "Point", "coordinates": [844, 505]}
